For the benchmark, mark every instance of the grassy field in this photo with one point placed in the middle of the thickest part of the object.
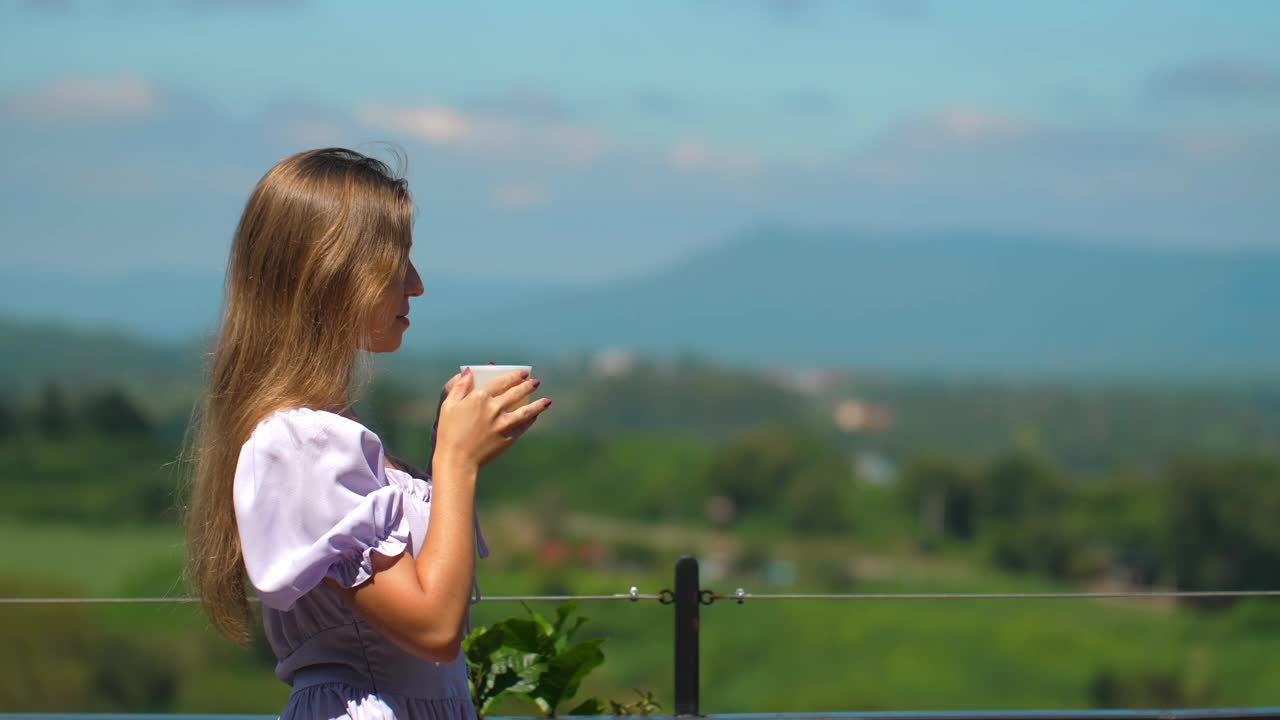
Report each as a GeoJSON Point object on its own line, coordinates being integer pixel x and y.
{"type": "Point", "coordinates": [757, 657]}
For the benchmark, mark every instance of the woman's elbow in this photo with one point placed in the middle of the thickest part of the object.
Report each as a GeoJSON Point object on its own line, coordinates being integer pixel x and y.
{"type": "Point", "coordinates": [435, 646]}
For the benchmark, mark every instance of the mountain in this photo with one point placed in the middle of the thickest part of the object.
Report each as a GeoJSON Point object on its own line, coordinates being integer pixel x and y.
{"type": "Point", "coordinates": [34, 352]}
{"type": "Point", "coordinates": [927, 302]}
{"type": "Point", "coordinates": [943, 302]}
{"type": "Point", "coordinates": [184, 306]}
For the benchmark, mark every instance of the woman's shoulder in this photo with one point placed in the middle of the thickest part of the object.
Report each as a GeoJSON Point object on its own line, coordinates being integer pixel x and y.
{"type": "Point", "coordinates": [300, 429]}
{"type": "Point", "coordinates": [300, 448]}
{"type": "Point", "coordinates": [304, 422]}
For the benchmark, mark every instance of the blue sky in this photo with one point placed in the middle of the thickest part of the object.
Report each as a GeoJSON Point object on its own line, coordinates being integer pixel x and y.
{"type": "Point", "coordinates": [580, 141]}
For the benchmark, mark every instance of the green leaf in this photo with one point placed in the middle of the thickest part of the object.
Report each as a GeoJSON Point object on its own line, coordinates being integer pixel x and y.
{"type": "Point", "coordinates": [563, 612]}
{"type": "Point", "coordinates": [526, 635]}
{"type": "Point", "coordinates": [563, 637]}
{"type": "Point", "coordinates": [574, 630]}
{"type": "Point", "coordinates": [541, 622]}
{"type": "Point", "coordinates": [590, 706]}
{"type": "Point", "coordinates": [645, 705]}
{"type": "Point", "coordinates": [545, 627]}
{"type": "Point", "coordinates": [513, 671]}
{"type": "Point", "coordinates": [488, 705]}
{"type": "Point", "coordinates": [566, 670]}
{"type": "Point", "coordinates": [533, 658]}
{"type": "Point", "coordinates": [481, 643]}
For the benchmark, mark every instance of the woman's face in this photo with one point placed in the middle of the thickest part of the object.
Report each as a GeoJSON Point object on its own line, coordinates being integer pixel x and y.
{"type": "Point", "coordinates": [391, 317]}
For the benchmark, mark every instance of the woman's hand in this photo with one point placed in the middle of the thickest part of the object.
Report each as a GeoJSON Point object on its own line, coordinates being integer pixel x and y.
{"type": "Point", "coordinates": [474, 425]}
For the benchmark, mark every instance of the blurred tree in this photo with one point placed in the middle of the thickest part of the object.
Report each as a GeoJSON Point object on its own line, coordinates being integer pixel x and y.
{"type": "Point", "coordinates": [1121, 517]}
{"type": "Point", "coordinates": [944, 494]}
{"type": "Point", "coordinates": [384, 408]}
{"type": "Point", "coordinates": [690, 398]}
{"type": "Point", "coordinates": [1025, 500]}
{"type": "Point", "coordinates": [1041, 545]}
{"type": "Point", "coordinates": [111, 412]}
{"type": "Point", "coordinates": [819, 496]}
{"type": "Point", "coordinates": [51, 417]}
{"type": "Point", "coordinates": [1221, 531]}
{"type": "Point", "coordinates": [1021, 486]}
{"type": "Point", "coordinates": [8, 421]}
{"type": "Point", "coordinates": [787, 477]}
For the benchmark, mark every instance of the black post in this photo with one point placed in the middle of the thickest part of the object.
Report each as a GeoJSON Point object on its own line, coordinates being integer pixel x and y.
{"type": "Point", "coordinates": [687, 600]}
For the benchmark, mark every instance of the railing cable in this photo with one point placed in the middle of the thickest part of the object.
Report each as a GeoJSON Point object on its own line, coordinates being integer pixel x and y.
{"type": "Point", "coordinates": [708, 597]}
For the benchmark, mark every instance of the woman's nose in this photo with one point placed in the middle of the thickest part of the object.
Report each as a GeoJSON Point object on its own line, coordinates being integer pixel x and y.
{"type": "Point", "coordinates": [413, 282]}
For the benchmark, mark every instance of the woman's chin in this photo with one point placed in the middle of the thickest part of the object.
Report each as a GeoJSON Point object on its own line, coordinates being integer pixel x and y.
{"type": "Point", "coordinates": [385, 344]}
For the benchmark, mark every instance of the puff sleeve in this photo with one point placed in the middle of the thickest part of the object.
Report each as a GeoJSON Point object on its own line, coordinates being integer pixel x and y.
{"type": "Point", "coordinates": [312, 501]}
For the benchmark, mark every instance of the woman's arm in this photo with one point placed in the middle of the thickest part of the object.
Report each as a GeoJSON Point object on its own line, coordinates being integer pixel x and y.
{"type": "Point", "coordinates": [421, 603]}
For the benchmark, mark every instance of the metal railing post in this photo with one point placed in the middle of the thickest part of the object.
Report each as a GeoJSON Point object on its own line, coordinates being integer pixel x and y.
{"type": "Point", "coordinates": [687, 599]}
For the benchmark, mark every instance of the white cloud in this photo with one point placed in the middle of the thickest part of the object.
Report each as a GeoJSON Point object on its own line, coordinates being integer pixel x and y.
{"type": "Point", "coordinates": [479, 173]}
{"type": "Point", "coordinates": [434, 124]}
{"type": "Point", "coordinates": [85, 100]}
{"type": "Point", "coordinates": [493, 134]}
{"type": "Point", "coordinates": [964, 125]}
{"type": "Point", "coordinates": [518, 196]}
{"type": "Point", "coordinates": [693, 156]}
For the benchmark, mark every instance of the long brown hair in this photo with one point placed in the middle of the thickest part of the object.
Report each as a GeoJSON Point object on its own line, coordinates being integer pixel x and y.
{"type": "Point", "coordinates": [323, 235]}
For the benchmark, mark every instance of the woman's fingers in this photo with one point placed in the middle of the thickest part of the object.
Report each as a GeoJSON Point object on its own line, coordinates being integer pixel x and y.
{"type": "Point", "coordinates": [450, 383]}
{"type": "Point", "coordinates": [475, 424]}
{"type": "Point", "coordinates": [460, 386]}
{"type": "Point", "coordinates": [520, 429]}
{"type": "Point", "coordinates": [444, 394]}
{"type": "Point", "coordinates": [514, 395]}
{"type": "Point", "coordinates": [505, 382]}
{"type": "Point", "coordinates": [523, 416]}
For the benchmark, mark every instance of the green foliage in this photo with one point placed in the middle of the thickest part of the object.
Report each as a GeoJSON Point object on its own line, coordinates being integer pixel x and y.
{"type": "Point", "coordinates": [111, 412]}
{"type": "Point", "coordinates": [945, 495]}
{"type": "Point", "coordinates": [8, 421]}
{"type": "Point", "coordinates": [1221, 530]}
{"type": "Point", "coordinates": [1097, 499]}
{"type": "Point", "coordinates": [646, 476]}
{"type": "Point", "coordinates": [99, 479]}
{"type": "Point", "coordinates": [1148, 688]}
{"type": "Point", "coordinates": [385, 408]}
{"type": "Point", "coordinates": [786, 478]}
{"type": "Point", "coordinates": [58, 659]}
{"type": "Point", "coordinates": [856, 656]}
{"type": "Point", "coordinates": [687, 398]}
{"type": "Point", "coordinates": [1022, 486]}
{"type": "Point", "coordinates": [532, 658]}
{"type": "Point", "coordinates": [1119, 521]}
{"type": "Point", "coordinates": [644, 704]}
{"type": "Point", "coordinates": [52, 415]}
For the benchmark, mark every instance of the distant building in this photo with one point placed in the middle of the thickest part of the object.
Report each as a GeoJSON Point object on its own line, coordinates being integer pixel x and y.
{"type": "Point", "coordinates": [612, 363]}
{"type": "Point", "coordinates": [809, 381]}
{"type": "Point", "coordinates": [859, 416]}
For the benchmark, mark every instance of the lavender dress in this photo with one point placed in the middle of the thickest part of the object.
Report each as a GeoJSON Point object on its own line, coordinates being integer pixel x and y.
{"type": "Point", "coordinates": [313, 500]}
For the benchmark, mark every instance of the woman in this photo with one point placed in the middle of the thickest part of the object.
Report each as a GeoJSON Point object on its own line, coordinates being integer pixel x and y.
{"type": "Point", "coordinates": [364, 608]}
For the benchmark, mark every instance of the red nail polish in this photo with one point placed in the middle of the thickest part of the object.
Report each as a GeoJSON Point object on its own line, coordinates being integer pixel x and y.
{"type": "Point", "coordinates": [546, 402]}
{"type": "Point", "coordinates": [524, 374]}
{"type": "Point", "coordinates": [466, 371]}
{"type": "Point", "coordinates": [489, 363]}
{"type": "Point", "coordinates": [536, 383]}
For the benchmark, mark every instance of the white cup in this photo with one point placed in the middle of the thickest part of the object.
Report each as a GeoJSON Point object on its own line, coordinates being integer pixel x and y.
{"type": "Point", "coordinates": [485, 374]}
